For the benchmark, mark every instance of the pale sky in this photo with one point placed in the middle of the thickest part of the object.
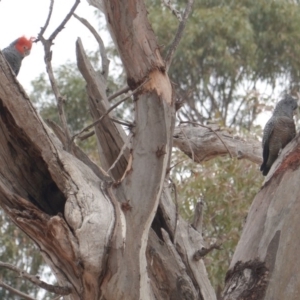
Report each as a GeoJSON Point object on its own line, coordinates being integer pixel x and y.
{"type": "Point", "coordinates": [26, 17]}
{"type": "Point", "coordinates": [20, 17]}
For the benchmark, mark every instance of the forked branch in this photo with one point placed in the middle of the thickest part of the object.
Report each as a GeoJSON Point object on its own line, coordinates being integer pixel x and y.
{"type": "Point", "coordinates": [47, 43]}
{"type": "Point", "coordinates": [104, 60]}
{"type": "Point", "coordinates": [60, 290]}
{"type": "Point", "coordinates": [179, 33]}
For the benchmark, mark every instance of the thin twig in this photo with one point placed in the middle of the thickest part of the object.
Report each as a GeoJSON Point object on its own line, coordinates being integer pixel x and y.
{"type": "Point", "coordinates": [87, 135]}
{"type": "Point", "coordinates": [64, 22]}
{"type": "Point", "coordinates": [198, 217]}
{"type": "Point", "coordinates": [176, 164]}
{"type": "Point", "coordinates": [128, 124]}
{"type": "Point", "coordinates": [119, 92]}
{"type": "Point", "coordinates": [47, 43]}
{"type": "Point", "coordinates": [61, 290]}
{"type": "Point", "coordinates": [176, 210]}
{"type": "Point", "coordinates": [14, 291]}
{"type": "Point", "coordinates": [126, 145]}
{"type": "Point", "coordinates": [207, 127]}
{"type": "Point", "coordinates": [204, 251]}
{"type": "Point", "coordinates": [105, 61]}
{"type": "Point", "coordinates": [43, 29]}
{"type": "Point", "coordinates": [107, 112]}
{"type": "Point", "coordinates": [101, 118]}
{"type": "Point", "coordinates": [174, 11]}
{"type": "Point", "coordinates": [179, 34]}
{"type": "Point", "coordinates": [188, 141]}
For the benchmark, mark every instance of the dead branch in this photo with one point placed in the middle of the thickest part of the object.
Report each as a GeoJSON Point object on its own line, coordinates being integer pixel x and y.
{"type": "Point", "coordinates": [179, 34]}
{"type": "Point", "coordinates": [128, 124]}
{"type": "Point", "coordinates": [189, 144]}
{"type": "Point", "coordinates": [176, 209]}
{"type": "Point", "coordinates": [125, 146]}
{"type": "Point", "coordinates": [105, 61]}
{"type": "Point", "coordinates": [14, 291]}
{"type": "Point", "coordinates": [43, 29]}
{"type": "Point", "coordinates": [198, 217]}
{"type": "Point", "coordinates": [176, 164]}
{"type": "Point", "coordinates": [60, 290]}
{"type": "Point", "coordinates": [47, 43]}
{"type": "Point", "coordinates": [87, 135]}
{"type": "Point", "coordinates": [174, 11]}
{"type": "Point", "coordinates": [77, 152]}
{"type": "Point", "coordinates": [210, 128]}
{"type": "Point", "coordinates": [119, 92]}
{"type": "Point", "coordinates": [107, 112]}
{"type": "Point", "coordinates": [204, 251]}
{"type": "Point", "coordinates": [206, 145]}
{"type": "Point", "coordinates": [64, 22]}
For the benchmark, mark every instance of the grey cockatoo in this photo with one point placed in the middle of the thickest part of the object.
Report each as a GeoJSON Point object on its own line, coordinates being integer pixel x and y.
{"type": "Point", "coordinates": [278, 132]}
{"type": "Point", "coordinates": [16, 51]}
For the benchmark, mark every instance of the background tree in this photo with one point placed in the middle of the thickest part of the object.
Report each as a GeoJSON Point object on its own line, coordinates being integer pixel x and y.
{"type": "Point", "coordinates": [216, 81]}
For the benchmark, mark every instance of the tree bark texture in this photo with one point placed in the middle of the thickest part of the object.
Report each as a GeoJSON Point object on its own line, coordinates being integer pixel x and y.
{"type": "Point", "coordinates": [266, 263]}
{"type": "Point", "coordinates": [107, 237]}
{"type": "Point", "coordinates": [205, 143]}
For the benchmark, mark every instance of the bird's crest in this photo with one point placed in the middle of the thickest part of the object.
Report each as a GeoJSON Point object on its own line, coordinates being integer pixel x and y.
{"type": "Point", "coordinates": [23, 45]}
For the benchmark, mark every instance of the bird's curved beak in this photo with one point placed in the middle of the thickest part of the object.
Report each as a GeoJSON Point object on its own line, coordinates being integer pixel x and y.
{"type": "Point", "coordinates": [27, 52]}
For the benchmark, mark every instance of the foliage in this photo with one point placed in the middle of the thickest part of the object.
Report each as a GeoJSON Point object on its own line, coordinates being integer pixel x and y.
{"type": "Point", "coordinates": [227, 187]}
{"type": "Point", "coordinates": [16, 248]}
{"type": "Point", "coordinates": [231, 51]}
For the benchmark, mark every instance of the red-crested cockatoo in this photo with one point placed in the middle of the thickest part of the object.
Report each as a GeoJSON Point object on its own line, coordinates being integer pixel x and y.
{"type": "Point", "coordinates": [16, 51]}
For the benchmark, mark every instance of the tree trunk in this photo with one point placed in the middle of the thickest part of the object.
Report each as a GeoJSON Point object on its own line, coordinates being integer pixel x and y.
{"type": "Point", "coordinates": [107, 237]}
{"type": "Point", "coordinates": [266, 263]}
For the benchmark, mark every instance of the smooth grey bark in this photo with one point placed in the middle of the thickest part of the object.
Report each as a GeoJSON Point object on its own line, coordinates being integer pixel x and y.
{"type": "Point", "coordinates": [107, 237]}
{"type": "Point", "coordinates": [266, 261]}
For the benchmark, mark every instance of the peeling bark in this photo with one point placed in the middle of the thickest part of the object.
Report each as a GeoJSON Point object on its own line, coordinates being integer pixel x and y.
{"type": "Point", "coordinates": [202, 144]}
{"type": "Point", "coordinates": [53, 197]}
{"type": "Point", "coordinates": [270, 233]}
{"type": "Point", "coordinates": [108, 238]}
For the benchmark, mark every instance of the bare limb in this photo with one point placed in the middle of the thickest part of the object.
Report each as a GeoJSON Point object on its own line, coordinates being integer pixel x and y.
{"type": "Point", "coordinates": [87, 135]}
{"type": "Point", "coordinates": [43, 29]}
{"type": "Point", "coordinates": [206, 145]}
{"type": "Point", "coordinates": [198, 216]}
{"type": "Point", "coordinates": [204, 251]}
{"type": "Point", "coordinates": [105, 61]}
{"type": "Point", "coordinates": [47, 43]}
{"type": "Point", "coordinates": [174, 11]}
{"type": "Point", "coordinates": [179, 162]}
{"type": "Point", "coordinates": [61, 290]}
{"type": "Point", "coordinates": [107, 112]}
{"type": "Point", "coordinates": [191, 148]}
{"type": "Point", "coordinates": [176, 209]}
{"type": "Point", "coordinates": [207, 127]}
{"type": "Point", "coordinates": [179, 34]}
{"type": "Point", "coordinates": [128, 124]}
{"type": "Point", "coordinates": [119, 92]}
{"type": "Point", "coordinates": [64, 22]}
{"type": "Point", "coordinates": [126, 145]}
{"type": "Point", "coordinates": [14, 291]}
{"type": "Point", "coordinates": [101, 118]}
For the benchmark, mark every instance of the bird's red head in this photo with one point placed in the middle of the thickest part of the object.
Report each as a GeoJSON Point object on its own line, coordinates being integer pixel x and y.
{"type": "Point", "coordinates": [23, 45]}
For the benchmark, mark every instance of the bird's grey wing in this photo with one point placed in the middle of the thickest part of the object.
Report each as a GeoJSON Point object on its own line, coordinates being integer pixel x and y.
{"type": "Point", "coordinates": [13, 59]}
{"type": "Point", "coordinates": [286, 128]}
{"type": "Point", "coordinates": [268, 131]}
